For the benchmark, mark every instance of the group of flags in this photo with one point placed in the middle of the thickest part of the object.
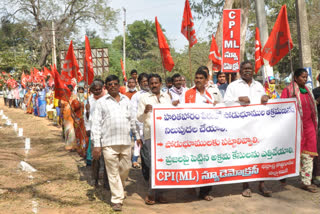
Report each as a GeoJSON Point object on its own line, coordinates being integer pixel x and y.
{"type": "Point", "coordinates": [70, 73]}
{"type": "Point", "coordinates": [275, 48]}
{"type": "Point", "coordinates": [187, 29]}
{"type": "Point", "coordinates": [279, 42]}
{"type": "Point", "coordinates": [7, 79]}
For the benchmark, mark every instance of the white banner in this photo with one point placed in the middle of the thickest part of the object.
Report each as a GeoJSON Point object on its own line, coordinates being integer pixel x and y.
{"type": "Point", "coordinates": [196, 145]}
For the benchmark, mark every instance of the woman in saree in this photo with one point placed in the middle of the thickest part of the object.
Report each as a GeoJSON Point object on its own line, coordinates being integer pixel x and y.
{"type": "Point", "coordinates": [78, 116]}
{"type": "Point", "coordinates": [309, 127]}
{"type": "Point", "coordinates": [28, 101]}
{"type": "Point", "coordinates": [35, 102]}
{"type": "Point", "coordinates": [42, 102]}
{"type": "Point", "coordinates": [68, 128]}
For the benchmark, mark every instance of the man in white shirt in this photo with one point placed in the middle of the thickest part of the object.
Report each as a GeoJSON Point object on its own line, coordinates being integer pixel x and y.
{"type": "Point", "coordinates": [176, 91]}
{"type": "Point", "coordinates": [153, 97]}
{"type": "Point", "coordinates": [143, 83]}
{"type": "Point", "coordinates": [110, 131]}
{"type": "Point", "coordinates": [97, 91]}
{"type": "Point", "coordinates": [245, 91]}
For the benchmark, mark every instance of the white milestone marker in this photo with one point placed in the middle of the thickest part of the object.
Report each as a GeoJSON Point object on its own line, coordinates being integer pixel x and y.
{"type": "Point", "coordinates": [27, 144]}
{"type": "Point", "coordinates": [20, 133]}
{"type": "Point", "coordinates": [1, 112]}
{"type": "Point", "coordinates": [9, 122]}
{"type": "Point", "coordinates": [15, 126]}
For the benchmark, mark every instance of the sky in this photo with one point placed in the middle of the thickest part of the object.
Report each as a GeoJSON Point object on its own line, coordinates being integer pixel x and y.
{"type": "Point", "coordinates": [169, 13]}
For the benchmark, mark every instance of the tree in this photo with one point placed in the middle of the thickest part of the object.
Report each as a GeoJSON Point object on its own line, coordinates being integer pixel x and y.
{"type": "Point", "coordinates": [15, 52]}
{"type": "Point", "coordinates": [67, 15]}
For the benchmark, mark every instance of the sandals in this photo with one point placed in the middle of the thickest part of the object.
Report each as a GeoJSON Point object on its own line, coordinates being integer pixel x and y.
{"type": "Point", "coordinates": [136, 165]}
{"type": "Point", "coordinates": [117, 207]}
{"type": "Point", "coordinates": [246, 192]}
{"type": "Point", "coordinates": [310, 188]}
{"type": "Point", "coordinates": [206, 197]}
{"type": "Point", "coordinates": [149, 200]}
{"type": "Point", "coordinates": [265, 192]}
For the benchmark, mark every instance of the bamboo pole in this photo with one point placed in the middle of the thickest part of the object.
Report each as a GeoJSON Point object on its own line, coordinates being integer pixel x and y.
{"type": "Point", "coordinates": [189, 53]}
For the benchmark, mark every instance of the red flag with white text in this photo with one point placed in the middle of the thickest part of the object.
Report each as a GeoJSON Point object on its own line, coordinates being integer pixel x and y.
{"type": "Point", "coordinates": [87, 64]}
{"type": "Point", "coordinates": [70, 68]}
{"type": "Point", "coordinates": [61, 90]}
{"type": "Point", "coordinates": [187, 26]}
{"type": "Point", "coordinates": [167, 60]}
{"type": "Point", "coordinates": [279, 40]}
{"type": "Point", "coordinates": [257, 55]}
{"type": "Point", "coordinates": [23, 79]}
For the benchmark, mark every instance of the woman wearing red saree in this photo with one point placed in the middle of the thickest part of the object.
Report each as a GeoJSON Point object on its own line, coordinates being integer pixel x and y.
{"type": "Point", "coordinates": [79, 128]}
{"type": "Point", "coordinates": [308, 113]}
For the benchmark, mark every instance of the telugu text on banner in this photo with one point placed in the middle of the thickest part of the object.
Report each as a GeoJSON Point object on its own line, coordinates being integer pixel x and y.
{"type": "Point", "coordinates": [196, 145]}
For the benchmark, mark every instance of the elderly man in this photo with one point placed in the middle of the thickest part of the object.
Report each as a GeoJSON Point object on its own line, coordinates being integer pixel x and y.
{"type": "Point", "coordinates": [176, 91]}
{"type": "Point", "coordinates": [245, 91]}
{"type": "Point", "coordinates": [111, 124]}
{"type": "Point", "coordinates": [97, 91]}
{"type": "Point", "coordinates": [143, 83]}
{"type": "Point", "coordinates": [153, 97]}
{"type": "Point", "coordinates": [131, 88]}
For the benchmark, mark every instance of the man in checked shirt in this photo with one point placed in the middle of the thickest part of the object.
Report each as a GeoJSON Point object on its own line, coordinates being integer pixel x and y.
{"type": "Point", "coordinates": [147, 100]}
{"type": "Point", "coordinates": [111, 124]}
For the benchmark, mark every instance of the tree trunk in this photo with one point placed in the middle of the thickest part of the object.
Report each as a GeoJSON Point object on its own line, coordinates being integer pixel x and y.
{"type": "Point", "coordinates": [303, 34]}
{"type": "Point", "coordinates": [263, 27]}
{"type": "Point", "coordinates": [227, 5]}
{"type": "Point", "coordinates": [245, 5]}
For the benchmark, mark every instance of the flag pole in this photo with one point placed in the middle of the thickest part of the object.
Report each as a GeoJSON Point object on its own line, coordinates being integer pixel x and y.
{"type": "Point", "coordinates": [291, 63]}
{"type": "Point", "coordinates": [87, 82]}
{"type": "Point", "coordinates": [189, 52]}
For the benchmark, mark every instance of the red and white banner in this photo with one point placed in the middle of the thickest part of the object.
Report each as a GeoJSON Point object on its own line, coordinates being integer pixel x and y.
{"type": "Point", "coordinates": [231, 40]}
{"type": "Point", "coordinates": [200, 145]}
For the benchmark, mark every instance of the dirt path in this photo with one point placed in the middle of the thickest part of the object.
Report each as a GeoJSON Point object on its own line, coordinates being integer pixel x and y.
{"type": "Point", "coordinates": [62, 183]}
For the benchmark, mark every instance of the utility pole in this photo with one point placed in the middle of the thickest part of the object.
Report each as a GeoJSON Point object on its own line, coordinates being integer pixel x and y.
{"type": "Point", "coordinates": [124, 38]}
{"type": "Point", "coordinates": [262, 24]}
{"type": "Point", "coordinates": [54, 56]}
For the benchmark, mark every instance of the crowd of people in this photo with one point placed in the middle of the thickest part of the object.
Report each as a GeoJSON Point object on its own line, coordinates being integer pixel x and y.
{"type": "Point", "coordinates": [102, 121]}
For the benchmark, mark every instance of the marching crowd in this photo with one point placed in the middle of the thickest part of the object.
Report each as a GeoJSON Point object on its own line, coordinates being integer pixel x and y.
{"type": "Point", "coordinates": [100, 121]}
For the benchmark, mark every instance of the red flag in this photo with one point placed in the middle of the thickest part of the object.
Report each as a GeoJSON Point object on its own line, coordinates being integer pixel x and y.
{"type": "Point", "coordinates": [61, 91]}
{"type": "Point", "coordinates": [23, 79]}
{"type": "Point", "coordinates": [70, 67]}
{"type": "Point", "coordinates": [46, 72]}
{"type": "Point", "coordinates": [187, 26]}
{"type": "Point", "coordinates": [257, 55]}
{"type": "Point", "coordinates": [36, 76]}
{"type": "Point", "coordinates": [167, 60]}
{"type": "Point", "coordinates": [215, 56]}
{"type": "Point", "coordinates": [87, 64]}
{"type": "Point", "coordinates": [123, 71]}
{"type": "Point", "coordinates": [277, 45]}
